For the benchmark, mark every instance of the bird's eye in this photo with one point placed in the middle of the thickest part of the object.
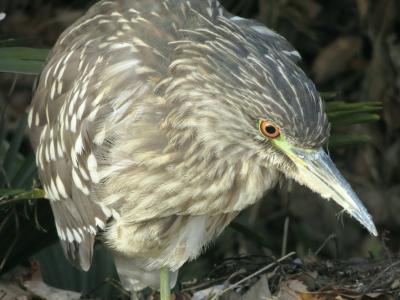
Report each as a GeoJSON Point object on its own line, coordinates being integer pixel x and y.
{"type": "Point", "coordinates": [269, 129]}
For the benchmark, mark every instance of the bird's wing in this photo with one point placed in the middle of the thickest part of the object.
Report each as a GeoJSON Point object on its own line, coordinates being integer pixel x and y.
{"type": "Point", "coordinates": [61, 129]}
{"type": "Point", "coordinates": [85, 80]}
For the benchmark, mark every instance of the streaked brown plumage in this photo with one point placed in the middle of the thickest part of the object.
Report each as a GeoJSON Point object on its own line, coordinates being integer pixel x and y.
{"type": "Point", "coordinates": [145, 126]}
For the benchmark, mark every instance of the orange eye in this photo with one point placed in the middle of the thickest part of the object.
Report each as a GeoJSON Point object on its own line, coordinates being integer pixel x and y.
{"type": "Point", "coordinates": [269, 129]}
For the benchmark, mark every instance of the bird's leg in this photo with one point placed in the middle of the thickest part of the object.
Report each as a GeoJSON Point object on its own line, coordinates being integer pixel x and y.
{"type": "Point", "coordinates": [165, 291]}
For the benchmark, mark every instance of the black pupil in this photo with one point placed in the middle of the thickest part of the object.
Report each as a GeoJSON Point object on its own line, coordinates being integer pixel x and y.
{"type": "Point", "coordinates": [270, 129]}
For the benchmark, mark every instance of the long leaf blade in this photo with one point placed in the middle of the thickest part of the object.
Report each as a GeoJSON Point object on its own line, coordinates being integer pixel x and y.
{"type": "Point", "coordinates": [22, 60]}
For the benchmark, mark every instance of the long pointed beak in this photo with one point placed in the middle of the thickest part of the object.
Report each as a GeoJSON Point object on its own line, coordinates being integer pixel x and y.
{"type": "Point", "coordinates": [316, 170]}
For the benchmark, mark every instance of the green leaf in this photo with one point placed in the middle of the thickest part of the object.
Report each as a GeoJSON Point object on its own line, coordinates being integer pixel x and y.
{"type": "Point", "coordinates": [340, 115]}
{"type": "Point", "coordinates": [348, 140]}
{"type": "Point", "coordinates": [352, 119]}
{"type": "Point", "coordinates": [327, 96]}
{"type": "Point", "coordinates": [10, 192]}
{"type": "Point", "coordinates": [12, 196]}
{"type": "Point", "coordinates": [22, 60]}
{"type": "Point", "coordinates": [17, 42]}
{"type": "Point", "coordinates": [345, 106]}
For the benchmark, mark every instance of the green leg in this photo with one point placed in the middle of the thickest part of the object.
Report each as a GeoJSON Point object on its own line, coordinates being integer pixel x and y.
{"type": "Point", "coordinates": [165, 291]}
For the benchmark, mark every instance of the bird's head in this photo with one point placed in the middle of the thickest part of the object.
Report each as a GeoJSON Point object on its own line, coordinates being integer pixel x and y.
{"type": "Point", "coordinates": [251, 97]}
{"type": "Point", "coordinates": [293, 129]}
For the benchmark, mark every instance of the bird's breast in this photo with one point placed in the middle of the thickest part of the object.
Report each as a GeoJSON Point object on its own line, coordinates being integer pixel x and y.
{"type": "Point", "coordinates": [150, 184]}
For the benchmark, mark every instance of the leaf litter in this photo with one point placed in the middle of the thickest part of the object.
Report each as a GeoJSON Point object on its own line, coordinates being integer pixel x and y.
{"type": "Point", "coordinates": [309, 278]}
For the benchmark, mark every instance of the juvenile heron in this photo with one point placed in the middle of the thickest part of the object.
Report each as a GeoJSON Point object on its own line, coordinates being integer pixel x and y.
{"type": "Point", "coordinates": [155, 122]}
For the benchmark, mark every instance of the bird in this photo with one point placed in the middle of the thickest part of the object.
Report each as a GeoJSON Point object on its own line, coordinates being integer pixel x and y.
{"type": "Point", "coordinates": [156, 122]}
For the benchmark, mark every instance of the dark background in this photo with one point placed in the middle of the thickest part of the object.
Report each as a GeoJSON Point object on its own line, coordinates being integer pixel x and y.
{"type": "Point", "coordinates": [350, 48]}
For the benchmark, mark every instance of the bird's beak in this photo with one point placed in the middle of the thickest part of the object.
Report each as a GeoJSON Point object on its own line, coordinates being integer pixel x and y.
{"type": "Point", "coordinates": [316, 170]}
